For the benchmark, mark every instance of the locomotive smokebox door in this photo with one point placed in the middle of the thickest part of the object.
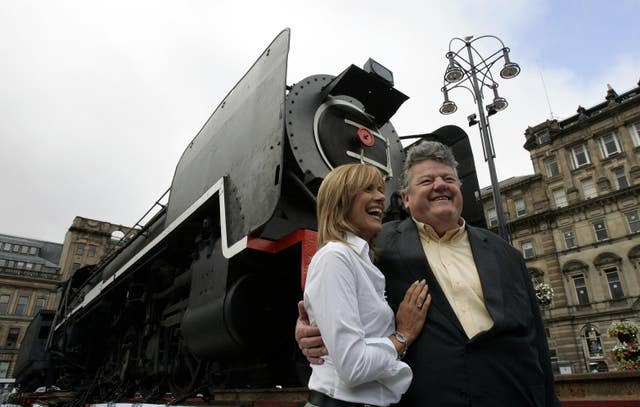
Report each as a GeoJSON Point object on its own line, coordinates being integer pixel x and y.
{"type": "Point", "coordinates": [345, 119]}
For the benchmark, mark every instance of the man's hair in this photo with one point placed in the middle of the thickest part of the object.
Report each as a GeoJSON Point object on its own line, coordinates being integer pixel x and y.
{"type": "Point", "coordinates": [336, 196]}
{"type": "Point", "coordinates": [427, 150]}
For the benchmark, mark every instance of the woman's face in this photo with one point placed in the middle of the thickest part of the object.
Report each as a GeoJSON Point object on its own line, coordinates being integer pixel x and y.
{"type": "Point", "coordinates": [365, 214]}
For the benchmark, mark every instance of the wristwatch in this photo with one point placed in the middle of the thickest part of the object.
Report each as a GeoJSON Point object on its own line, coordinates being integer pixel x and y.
{"type": "Point", "coordinates": [403, 342]}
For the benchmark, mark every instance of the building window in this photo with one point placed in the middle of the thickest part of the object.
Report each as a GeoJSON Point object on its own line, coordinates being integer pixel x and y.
{"type": "Point", "coordinates": [600, 229]}
{"type": "Point", "coordinates": [633, 221]}
{"type": "Point", "coordinates": [33, 251]}
{"type": "Point", "coordinates": [12, 337]}
{"type": "Point", "coordinates": [580, 156]}
{"type": "Point", "coordinates": [21, 306]}
{"type": "Point", "coordinates": [569, 239]}
{"type": "Point", "coordinates": [3, 262]}
{"type": "Point", "coordinates": [28, 266]}
{"type": "Point", "coordinates": [24, 249]}
{"type": "Point", "coordinates": [634, 130]}
{"type": "Point", "coordinates": [552, 167]}
{"type": "Point", "coordinates": [559, 197]}
{"type": "Point", "coordinates": [91, 251]}
{"type": "Point", "coordinates": [620, 177]}
{"type": "Point", "coordinates": [79, 249]}
{"type": "Point", "coordinates": [613, 279]}
{"type": "Point", "coordinates": [594, 345]}
{"type": "Point", "coordinates": [527, 250]}
{"type": "Point", "coordinates": [4, 369]}
{"type": "Point", "coordinates": [20, 265]}
{"type": "Point", "coordinates": [7, 247]}
{"type": "Point", "coordinates": [492, 217]}
{"type": "Point", "coordinates": [543, 137]}
{"type": "Point", "coordinates": [609, 144]}
{"type": "Point", "coordinates": [588, 188]}
{"type": "Point", "coordinates": [11, 264]}
{"type": "Point", "coordinates": [521, 208]}
{"type": "Point", "coordinates": [4, 304]}
{"type": "Point", "coordinates": [37, 267]}
{"type": "Point", "coordinates": [40, 303]}
{"type": "Point", "coordinates": [16, 248]}
{"type": "Point", "coordinates": [581, 289]}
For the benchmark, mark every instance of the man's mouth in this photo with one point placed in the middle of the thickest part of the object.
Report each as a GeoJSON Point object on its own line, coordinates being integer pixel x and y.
{"type": "Point", "coordinates": [441, 198]}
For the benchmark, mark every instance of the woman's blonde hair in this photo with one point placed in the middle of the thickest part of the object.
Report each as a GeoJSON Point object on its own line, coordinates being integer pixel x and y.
{"type": "Point", "coordinates": [335, 198]}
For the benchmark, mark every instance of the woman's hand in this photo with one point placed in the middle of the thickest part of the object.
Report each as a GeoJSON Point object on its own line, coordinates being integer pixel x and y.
{"type": "Point", "coordinates": [413, 311]}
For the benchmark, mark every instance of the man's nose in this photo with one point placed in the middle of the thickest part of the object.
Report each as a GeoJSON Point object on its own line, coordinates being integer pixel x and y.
{"type": "Point", "coordinates": [438, 183]}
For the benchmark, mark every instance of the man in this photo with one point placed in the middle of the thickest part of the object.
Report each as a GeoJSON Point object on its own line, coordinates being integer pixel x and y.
{"type": "Point", "coordinates": [483, 343]}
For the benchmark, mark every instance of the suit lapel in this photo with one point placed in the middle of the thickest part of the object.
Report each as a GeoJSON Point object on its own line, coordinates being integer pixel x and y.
{"type": "Point", "coordinates": [490, 274]}
{"type": "Point", "coordinates": [411, 253]}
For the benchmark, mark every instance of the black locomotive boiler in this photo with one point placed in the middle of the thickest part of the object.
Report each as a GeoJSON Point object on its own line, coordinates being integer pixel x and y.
{"type": "Point", "coordinates": [203, 296]}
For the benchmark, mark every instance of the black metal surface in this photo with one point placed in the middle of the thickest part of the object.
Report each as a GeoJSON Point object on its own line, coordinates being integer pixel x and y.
{"type": "Point", "coordinates": [321, 139]}
{"type": "Point", "coordinates": [380, 99]}
{"type": "Point", "coordinates": [243, 141]}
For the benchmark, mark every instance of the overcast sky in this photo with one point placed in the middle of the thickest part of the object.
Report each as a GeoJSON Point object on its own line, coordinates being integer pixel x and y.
{"type": "Point", "coordinates": [98, 100]}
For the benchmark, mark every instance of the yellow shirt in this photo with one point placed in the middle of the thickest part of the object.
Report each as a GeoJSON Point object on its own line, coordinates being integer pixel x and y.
{"type": "Point", "coordinates": [452, 263]}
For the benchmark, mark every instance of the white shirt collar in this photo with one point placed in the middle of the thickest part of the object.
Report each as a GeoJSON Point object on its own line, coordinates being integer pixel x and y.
{"type": "Point", "coordinates": [357, 244]}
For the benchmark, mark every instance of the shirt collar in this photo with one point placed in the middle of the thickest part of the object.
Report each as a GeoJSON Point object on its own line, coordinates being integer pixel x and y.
{"type": "Point", "coordinates": [357, 244]}
{"type": "Point", "coordinates": [427, 231]}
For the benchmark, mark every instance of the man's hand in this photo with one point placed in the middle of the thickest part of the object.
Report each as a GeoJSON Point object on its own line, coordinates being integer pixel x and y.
{"type": "Point", "coordinates": [308, 337]}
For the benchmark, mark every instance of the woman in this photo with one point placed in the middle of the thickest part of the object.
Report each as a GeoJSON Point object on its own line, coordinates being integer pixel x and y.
{"type": "Point", "coordinates": [345, 297]}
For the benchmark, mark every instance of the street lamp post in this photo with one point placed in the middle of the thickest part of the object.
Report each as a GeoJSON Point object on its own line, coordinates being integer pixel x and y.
{"type": "Point", "coordinates": [461, 70]}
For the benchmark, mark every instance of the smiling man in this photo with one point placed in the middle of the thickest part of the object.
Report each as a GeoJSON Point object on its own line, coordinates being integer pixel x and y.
{"type": "Point", "coordinates": [483, 343]}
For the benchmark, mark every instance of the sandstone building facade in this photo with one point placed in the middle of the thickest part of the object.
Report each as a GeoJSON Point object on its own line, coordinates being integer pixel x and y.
{"type": "Point", "coordinates": [577, 223]}
{"type": "Point", "coordinates": [29, 275]}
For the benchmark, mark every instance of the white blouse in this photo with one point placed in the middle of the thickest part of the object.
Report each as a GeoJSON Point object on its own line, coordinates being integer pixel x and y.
{"type": "Point", "coordinates": [345, 297]}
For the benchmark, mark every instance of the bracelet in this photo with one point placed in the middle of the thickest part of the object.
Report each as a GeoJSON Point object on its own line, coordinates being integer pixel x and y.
{"type": "Point", "coordinates": [403, 342]}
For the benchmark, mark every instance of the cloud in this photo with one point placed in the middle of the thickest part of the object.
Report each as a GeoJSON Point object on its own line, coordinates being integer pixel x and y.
{"type": "Point", "coordinates": [100, 99]}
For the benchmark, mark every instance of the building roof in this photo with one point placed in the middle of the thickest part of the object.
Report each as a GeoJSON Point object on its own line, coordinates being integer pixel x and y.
{"type": "Point", "coordinates": [48, 252]}
{"type": "Point", "coordinates": [510, 183]}
{"type": "Point", "coordinates": [585, 117]}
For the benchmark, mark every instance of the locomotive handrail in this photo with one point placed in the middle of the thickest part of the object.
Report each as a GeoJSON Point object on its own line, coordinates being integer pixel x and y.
{"type": "Point", "coordinates": [137, 229]}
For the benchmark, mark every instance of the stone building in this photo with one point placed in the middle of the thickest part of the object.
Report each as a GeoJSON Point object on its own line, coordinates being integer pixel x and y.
{"type": "Point", "coordinates": [576, 221]}
{"type": "Point", "coordinates": [85, 243]}
{"type": "Point", "coordinates": [29, 275]}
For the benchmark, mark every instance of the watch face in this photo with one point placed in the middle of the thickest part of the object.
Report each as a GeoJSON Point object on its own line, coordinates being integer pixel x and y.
{"type": "Point", "coordinates": [400, 337]}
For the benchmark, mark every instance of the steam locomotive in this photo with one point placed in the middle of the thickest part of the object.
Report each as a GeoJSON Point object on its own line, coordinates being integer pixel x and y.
{"type": "Point", "coordinates": [203, 296]}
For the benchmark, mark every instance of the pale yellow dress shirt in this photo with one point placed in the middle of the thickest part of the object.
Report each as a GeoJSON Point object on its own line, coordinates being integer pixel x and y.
{"type": "Point", "coordinates": [452, 263]}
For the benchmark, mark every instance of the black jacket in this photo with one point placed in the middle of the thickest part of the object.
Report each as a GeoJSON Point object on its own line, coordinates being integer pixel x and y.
{"type": "Point", "coordinates": [506, 366]}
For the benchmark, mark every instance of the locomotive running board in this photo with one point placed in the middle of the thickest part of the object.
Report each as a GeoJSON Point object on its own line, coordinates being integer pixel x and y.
{"type": "Point", "coordinates": [228, 251]}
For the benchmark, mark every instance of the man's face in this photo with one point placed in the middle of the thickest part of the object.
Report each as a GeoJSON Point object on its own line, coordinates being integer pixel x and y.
{"type": "Point", "coordinates": [433, 195]}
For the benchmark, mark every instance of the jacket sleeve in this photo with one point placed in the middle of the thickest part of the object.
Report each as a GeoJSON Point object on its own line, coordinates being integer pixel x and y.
{"type": "Point", "coordinates": [540, 340]}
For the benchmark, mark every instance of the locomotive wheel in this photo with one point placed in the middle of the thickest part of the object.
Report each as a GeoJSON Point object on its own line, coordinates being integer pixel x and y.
{"type": "Point", "coordinates": [185, 372]}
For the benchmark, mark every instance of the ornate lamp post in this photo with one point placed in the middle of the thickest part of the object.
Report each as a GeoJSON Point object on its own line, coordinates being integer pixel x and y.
{"type": "Point", "coordinates": [479, 76]}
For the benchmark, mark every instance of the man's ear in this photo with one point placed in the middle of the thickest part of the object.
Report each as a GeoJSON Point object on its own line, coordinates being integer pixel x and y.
{"type": "Point", "coordinates": [405, 199]}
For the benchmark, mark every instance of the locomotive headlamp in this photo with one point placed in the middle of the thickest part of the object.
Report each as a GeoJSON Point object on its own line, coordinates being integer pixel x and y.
{"type": "Point", "coordinates": [375, 68]}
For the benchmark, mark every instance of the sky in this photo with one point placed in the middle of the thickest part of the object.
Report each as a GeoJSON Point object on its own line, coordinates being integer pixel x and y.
{"type": "Point", "coordinates": [98, 99]}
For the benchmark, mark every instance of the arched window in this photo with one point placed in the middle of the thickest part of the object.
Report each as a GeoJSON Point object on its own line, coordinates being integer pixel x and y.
{"type": "Point", "coordinates": [117, 236]}
{"type": "Point", "coordinates": [593, 350]}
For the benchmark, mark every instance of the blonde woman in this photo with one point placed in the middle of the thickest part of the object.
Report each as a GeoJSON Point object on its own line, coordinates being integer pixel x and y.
{"type": "Point", "coordinates": [345, 297]}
